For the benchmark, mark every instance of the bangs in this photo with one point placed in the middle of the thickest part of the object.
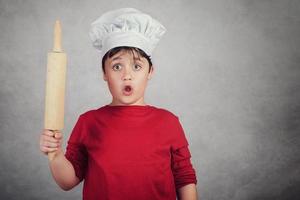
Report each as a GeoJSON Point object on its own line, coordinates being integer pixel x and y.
{"type": "Point", "coordinates": [140, 53]}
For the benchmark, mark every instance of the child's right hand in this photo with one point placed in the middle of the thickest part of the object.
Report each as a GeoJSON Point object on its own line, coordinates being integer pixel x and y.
{"type": "Point", "coordinates": [50, 141]}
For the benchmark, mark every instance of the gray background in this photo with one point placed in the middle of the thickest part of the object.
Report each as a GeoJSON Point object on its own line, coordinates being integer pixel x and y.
{"type": "Point", "coordinates": [228, 68]}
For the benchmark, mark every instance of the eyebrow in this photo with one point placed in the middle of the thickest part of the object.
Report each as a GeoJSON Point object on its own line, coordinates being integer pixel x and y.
{"type": "Point", "coordinates": [116, 58]}
{"type": "Point", "coordinates": [119, 58]}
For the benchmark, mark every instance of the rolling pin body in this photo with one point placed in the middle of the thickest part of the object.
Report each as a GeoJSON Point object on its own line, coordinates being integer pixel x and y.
{"type": "Point", "coordinates": [55, 91]}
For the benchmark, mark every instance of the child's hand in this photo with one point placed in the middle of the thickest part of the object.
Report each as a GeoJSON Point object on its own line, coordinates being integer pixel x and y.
{"type": "Point", "coordinates": [50, 141]}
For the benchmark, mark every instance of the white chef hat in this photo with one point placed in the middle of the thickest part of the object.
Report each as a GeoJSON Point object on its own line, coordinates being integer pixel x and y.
{"type": "Point", "coordinates": [126, 27]}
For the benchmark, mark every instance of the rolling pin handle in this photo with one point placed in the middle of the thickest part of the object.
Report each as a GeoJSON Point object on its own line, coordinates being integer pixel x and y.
{"type": "Point", "coordinates": [51, 155]}
{"type": "Point", "coordinates": [57, 37]}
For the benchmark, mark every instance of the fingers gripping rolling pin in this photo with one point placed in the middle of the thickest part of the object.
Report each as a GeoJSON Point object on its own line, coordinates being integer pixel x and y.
{"type": "Point", "coordinates": [55, 86]}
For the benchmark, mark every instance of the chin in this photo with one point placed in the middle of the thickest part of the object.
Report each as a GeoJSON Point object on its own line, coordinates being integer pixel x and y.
{"type": "Point", "coordinates": [128, 100]}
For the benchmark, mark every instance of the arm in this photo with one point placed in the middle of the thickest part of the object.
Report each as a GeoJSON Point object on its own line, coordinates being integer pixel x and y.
{"type": "Point", "coordinates": [63, 172]}
{"type": "Point", "coordinates": [187, 192]}
{"type": "Point", "coordinates": [182, 168]}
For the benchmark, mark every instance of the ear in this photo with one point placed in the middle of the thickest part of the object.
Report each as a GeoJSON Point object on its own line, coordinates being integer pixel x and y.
{"type": "Point", "coordinates": [150, 74]}
{"type": "Point", "coordinates": [104, 76]}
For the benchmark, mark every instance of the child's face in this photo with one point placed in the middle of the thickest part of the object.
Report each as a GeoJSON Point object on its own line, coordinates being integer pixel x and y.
{"type": "Point", "coordinates": [127, 76]}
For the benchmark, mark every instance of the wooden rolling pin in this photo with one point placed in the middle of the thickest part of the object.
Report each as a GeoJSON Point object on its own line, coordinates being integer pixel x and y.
{"type": "Point", "coordinates": [55, 86]}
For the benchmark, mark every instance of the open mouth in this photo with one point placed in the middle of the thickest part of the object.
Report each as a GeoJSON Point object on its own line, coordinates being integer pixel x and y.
{"type": "Point", "coordinates": [127, 90]}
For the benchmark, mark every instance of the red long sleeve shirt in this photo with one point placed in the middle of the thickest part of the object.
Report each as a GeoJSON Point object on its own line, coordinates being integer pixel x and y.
{"type": "Point", "coordinates": [130, 153]}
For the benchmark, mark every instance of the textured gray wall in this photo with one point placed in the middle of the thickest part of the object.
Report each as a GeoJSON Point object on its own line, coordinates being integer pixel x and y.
{"type": "Point", "coordinates": [229, 70]}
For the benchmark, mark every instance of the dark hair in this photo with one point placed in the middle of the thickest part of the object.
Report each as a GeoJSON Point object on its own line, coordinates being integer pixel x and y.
{"type": "Point", "coordinates": [116, 50]}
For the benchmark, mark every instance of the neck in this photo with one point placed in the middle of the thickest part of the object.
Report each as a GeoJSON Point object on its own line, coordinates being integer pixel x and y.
{"type": "Point", "coordinates": [139, 102]}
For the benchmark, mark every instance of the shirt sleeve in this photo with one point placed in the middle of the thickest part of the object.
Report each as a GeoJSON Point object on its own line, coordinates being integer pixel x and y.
{"type": "Point", "coordinates": [182, 168]}
{"type": "Point", "coordinates": [75, 151]}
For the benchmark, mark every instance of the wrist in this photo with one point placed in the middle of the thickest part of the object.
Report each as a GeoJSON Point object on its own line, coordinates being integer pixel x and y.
{"type": "Point", "coordinates": [56, 154]}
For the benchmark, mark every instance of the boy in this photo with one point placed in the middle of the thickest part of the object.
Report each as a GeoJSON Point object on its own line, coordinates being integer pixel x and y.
{"type": "Point", "coordinates": [126, 149]}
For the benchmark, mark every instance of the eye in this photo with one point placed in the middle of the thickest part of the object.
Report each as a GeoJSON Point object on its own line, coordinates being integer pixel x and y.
{"type": "Point", "coordinates": [137, 67]}
{"type": "Point", "coordinates": [116, 67]}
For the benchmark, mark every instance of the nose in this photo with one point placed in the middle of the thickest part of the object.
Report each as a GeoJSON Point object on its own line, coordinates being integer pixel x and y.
{"type": "Point", "coordinates": [127, 74]}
